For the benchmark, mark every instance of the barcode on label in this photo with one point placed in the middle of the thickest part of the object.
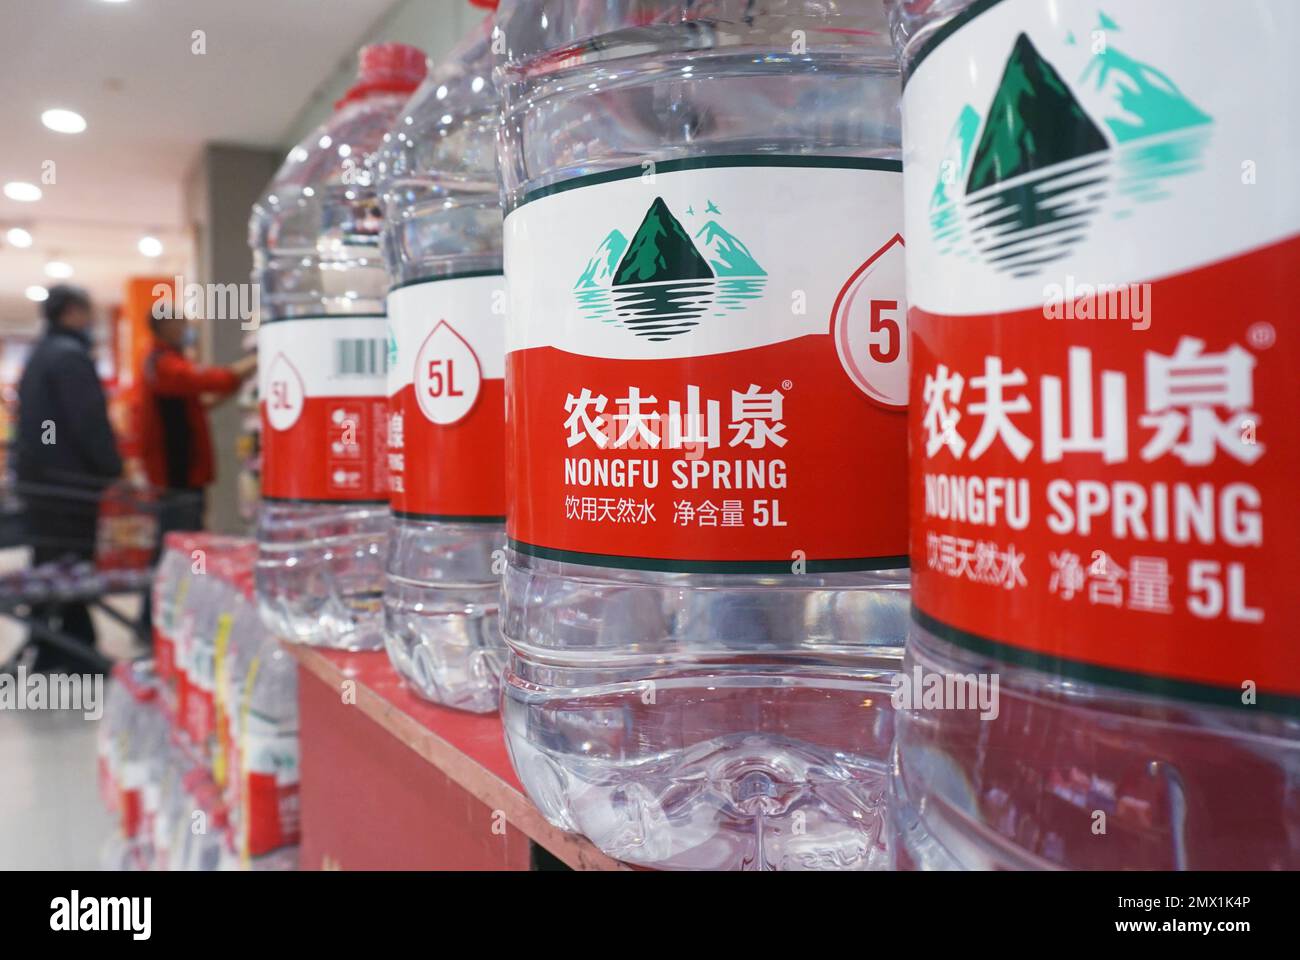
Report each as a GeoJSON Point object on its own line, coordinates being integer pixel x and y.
{"type": "Point", "coordinates": [360, 357]}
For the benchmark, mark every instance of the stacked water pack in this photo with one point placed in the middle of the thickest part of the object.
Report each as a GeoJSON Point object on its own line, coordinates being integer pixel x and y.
{"type": "Point", "coordinates": [200, 761]}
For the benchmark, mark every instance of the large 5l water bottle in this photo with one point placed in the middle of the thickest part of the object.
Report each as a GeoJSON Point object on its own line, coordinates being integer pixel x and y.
{"type": "Point", "coordinates": [321, 356]}
{"type": "Point", "coordinates": [437, 180]}
{"type": "Point", "coordinates": [1103, 434]}
{"type": "Point", "coordinates": [705, 393]}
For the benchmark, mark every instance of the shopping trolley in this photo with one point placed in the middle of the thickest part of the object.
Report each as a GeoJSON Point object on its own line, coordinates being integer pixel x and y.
{"type": "Point", "coordinates": [87, 545]}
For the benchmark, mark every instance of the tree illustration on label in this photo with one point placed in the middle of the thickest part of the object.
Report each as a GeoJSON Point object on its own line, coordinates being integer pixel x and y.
{"type": "Point", "coordinates": [285, 394]}
{"type": "Point", "coordinates": [663, 283]}
{"type": "Point", "coordinates": [869, 326]}
{"type": "Point", "coordinates": [447, 376]}
{"type": "Point", "coordinates": [1033, 122]}
{"type": "Point", "coordinates": [604, 262]}
{"type": "Point", "coordinates": [726, 254]}
{"type": "Point", "coordinates": [661, 249]}
{"type": "Point", "coordinates": [1044, 170]}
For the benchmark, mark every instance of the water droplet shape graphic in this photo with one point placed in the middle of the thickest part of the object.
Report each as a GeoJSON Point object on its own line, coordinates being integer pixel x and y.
{"type": "Point", "coordinates": [869, 324]}
{"type": "Point", "coordinates": [285, 395]}
{"type": "Point", "coordinates": [448, 376]}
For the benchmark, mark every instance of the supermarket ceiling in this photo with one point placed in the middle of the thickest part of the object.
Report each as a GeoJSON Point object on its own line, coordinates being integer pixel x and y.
{"type": "Point", "coordinates": [150, 103]}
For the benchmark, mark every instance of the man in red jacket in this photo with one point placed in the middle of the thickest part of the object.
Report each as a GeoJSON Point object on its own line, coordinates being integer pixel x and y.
{"type": "Point", "coordinates": [175, 437]}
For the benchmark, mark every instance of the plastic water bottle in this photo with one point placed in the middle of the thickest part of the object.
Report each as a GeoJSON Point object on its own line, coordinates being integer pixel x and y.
{"type": "Point", "coordinates": [167, 597]}
{"type": "Point", "coordinates": [436, 177]}
{"type": "Point", "coordinates": [1104, 436]}
{"type": "Point", "coordinates": [269, 820]}
{"type": "Point", "coordinates": [706, 382]}
{"type": "Point", "coordinates": [321, 379]}
{"type": "Point", "coordinates": [245, 638]}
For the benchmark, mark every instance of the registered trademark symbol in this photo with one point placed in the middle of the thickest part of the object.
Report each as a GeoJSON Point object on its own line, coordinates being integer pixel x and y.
{"type": "Point", "coordinates": [786, 384]}
{"type": "Point", "coordinates": [1261, 335]}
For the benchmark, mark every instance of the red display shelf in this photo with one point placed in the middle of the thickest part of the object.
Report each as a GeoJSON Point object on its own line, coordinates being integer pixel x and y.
{"type": "Point", "coordinates": [391, 782]}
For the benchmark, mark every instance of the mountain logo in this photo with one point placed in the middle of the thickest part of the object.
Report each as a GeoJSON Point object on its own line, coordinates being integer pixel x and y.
{"type": "Point", "coordinates": [664, 282]}
{"type": "Point", "coordinates": [1023, 184]}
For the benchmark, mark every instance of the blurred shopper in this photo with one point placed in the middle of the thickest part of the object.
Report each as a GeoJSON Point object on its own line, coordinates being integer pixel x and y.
{"type": "Point", "coordinates": [174, 430]}
{"type": "Point", "coordinates": [66, 454]}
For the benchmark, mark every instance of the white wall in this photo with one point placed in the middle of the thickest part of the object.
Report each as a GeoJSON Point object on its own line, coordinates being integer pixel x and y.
{"type": "Point", "coordinates": [432, 25]}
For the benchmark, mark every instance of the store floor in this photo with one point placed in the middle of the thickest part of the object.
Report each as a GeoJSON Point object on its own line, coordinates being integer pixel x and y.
{"type": "Point", "coordinates": [51, 817]}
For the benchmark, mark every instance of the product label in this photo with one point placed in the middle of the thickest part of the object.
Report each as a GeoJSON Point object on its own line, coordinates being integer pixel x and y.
{"type": "Point", "coordinates": [321, 383]}
{"type": "Point", "coordinates": [164, 646]}
{"type": "Point", "coordinates": [183, 645]}
{"type": "Point", "coordinates": [1104, 394]}
{"type": "Point", "coordinates": [706, 367]}
{"type": "Point", "coordinates": [446, 398]}
{"type": "Point", "coordinates": [270, 796]}
{"type": "Point", "coordinates": [220, 687]}
{"type": "Point", "coordinates": [131, 783]}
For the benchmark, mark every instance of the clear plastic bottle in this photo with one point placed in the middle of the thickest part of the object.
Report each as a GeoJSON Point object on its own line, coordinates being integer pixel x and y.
{"type": "Point", "coordinates": [699, 673]}
{"type": "Point", "coordinates": [324, 520]}
{"type": "Point", "coordinates": [269, 817]}
{"type": "Point", "coordinates": [140, 739]}
{"type": "Point", "coordinates": [247, 635]}
{"type": "Point", "coordinates": [436, 176]}
{"type": "Point", "coordinates": [117, 705]}
{"type": "Point", "coordinates": [1142, 643]}
{"type": "Point", "coordinates": [173, 568]}
{"type": "Point", "coordinates": [169, 803]}
{"type": "Point", "coordinates": [194, 662]}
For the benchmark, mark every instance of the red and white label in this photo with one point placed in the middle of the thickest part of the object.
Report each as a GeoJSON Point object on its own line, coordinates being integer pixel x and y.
{"type": "Point", "coordinates": [270, 793]}
{"type": "Point", "coordinates": [321, 383]}
{"type": "Point", "coordinates": [689, 389]}
{"type": "Point", "coordinates": [1103, 424]}
{"type": "Point", "coordinates": [446, 430]}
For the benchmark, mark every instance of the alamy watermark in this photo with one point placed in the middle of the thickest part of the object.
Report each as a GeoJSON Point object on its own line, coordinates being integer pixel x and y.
{"type": "Point", "coordinates": [53, 691]}
{"type": "Point", "coordinates": [75, 913]}
{"type": "Point", "coordinates": [946, 691]}
{"type": "Point", "coordinates": [1074, 300]}
{"type": "Point", "coordinates": [209, 301]}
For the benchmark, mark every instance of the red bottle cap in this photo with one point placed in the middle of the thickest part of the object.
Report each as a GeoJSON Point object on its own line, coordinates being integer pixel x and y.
{"type": "Point", "coordinates": [387, 68]}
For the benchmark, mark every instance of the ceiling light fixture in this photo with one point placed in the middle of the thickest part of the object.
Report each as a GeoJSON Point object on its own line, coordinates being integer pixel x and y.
{"type": "Point", "coordinates": [22, 192]}
{"type": "Point", "coordinates": [63, 121]}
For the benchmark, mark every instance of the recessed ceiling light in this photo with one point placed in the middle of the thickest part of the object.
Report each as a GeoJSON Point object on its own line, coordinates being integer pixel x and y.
{"type": "Point", "coordinates": [22, 192]}
{"type": "Point", "coordinates": [38, 294]}
{"type": "Point", "coordinates": [18, 237]}
{"type": "Point", "coordinates": [63, 121]}
{"type": "Point", "coordinates": [58, 270]}
{"type": "Point", "coordinates": [150, 246]}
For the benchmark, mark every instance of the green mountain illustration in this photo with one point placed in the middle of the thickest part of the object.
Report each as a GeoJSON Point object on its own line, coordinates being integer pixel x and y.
{"type": "Point", "coordinates": [1149, 102]}
{"type": "Point", "coordinates": [600, 268]}
{"type": "Point", "coordinates": [661, 250]}
{"type": "Point", "coordinates": [961, 139]}
{"type": "Point", "coordinates": [726, 254]}
{"type": "Point", "coordinates": [1033, 122]}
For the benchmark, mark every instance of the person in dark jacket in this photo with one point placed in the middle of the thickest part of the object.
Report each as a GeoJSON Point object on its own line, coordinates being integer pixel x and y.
{"type": "Point", "coordinates": [65, 451]}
